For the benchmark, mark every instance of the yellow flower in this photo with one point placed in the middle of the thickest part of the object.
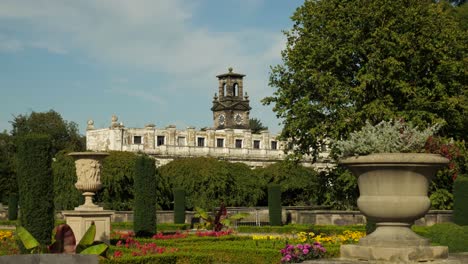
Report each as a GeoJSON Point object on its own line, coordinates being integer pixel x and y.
{"type": "Point", "coordinates": [6, 235]}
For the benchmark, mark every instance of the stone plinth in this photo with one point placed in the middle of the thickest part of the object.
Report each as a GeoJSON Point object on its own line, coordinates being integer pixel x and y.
{"type": "Point", "coordinates": [79, 221]}
{"type": "Point", "coordinates": [394, 254]}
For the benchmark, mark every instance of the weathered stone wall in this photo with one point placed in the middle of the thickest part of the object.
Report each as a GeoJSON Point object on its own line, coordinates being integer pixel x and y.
{"type": "Point", "coordinates": [185, 143]}
{"type": "Point", "coordinates": [292, 215]}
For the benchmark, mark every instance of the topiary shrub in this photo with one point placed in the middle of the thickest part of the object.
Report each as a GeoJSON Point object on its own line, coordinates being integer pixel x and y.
{"type": "Point", "coordinates": [451, 235]}
{"type": "Point", "coordinates": [179, 206]}
{"type": "Point", "coordinates": [274, 204]}
{"type": "Point", "coordinates": [13, 206]}
{"type": "Point", "coordinates": [35, 184]}
{"type": "Point", "coordinates": [145, 201]}
{"type": "Point", "coordinates": [460, 208]}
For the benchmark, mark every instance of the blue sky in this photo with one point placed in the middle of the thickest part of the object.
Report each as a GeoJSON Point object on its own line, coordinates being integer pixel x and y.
{"type": "Point", "coordinates": [147, 61]}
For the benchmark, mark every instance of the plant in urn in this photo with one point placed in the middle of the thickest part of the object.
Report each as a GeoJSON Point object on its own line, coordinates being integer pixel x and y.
{"type": "Point", "coordinates": [88, 171]}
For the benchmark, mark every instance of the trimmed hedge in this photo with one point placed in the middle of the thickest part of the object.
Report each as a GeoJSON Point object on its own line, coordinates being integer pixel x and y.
{"type": "Point", "coordinates": [288, 229]}
{"type": "Point", "coordinates": [36, 186]}
{"type": "Point", "coordinates": [460, 203]}
{"type": "Point", "coordinates": [274, 204]}
{"type": "Point", "coordinates": [162, 259]}
{"type": "Point", "coordinates": [145, 202]}
{"type": "Point", "coordinates": [13, 207]}
{"type": "Point", "coordinates": [451, 235]}
{"type": "Point", "coordinates": [179, 206]}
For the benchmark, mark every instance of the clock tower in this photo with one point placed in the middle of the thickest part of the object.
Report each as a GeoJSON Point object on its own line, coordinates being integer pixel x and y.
{"type": "Point", "coordinates": [231, 108]}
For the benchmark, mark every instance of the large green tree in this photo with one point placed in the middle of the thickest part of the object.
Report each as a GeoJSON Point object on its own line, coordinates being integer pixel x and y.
{"type": "Point", "coordinates": [299, 185]}
{"type": "Point", "coordinates": [64, 134]}
{"type": "Point", "coordinates": [350, 61]}
{"type": "Point", "coordinates": [207, 181]}
{"type": "Point", "coordinates": [256, 125]}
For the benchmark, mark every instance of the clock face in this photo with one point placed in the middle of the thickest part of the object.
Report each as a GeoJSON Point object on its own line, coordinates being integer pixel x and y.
{"type": "Point", "coordinates": [238, 119]}
{"type": "Point", "coordinates": [221, 119]}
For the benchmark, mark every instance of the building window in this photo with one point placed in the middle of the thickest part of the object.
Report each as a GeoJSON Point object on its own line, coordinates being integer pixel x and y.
{"type": "Point", "coordinates": [274, 145]}
{"type": "Point", "coordinates": [137, 140]}
{"type": "Point", "coordinates": [238, 143]}
{"type": "Point", "coordinates": [181, 141]}
{"type": "Point", "coordinates": [256, 144]}
{"type": "Point", "coordinates": [160, 140]}
{"type": "Point", "coordinates": [220, 142]}
{"type": "Point", "coordinates": [201, 141]}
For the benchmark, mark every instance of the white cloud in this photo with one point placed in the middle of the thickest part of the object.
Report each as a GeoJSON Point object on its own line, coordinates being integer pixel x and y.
{"type": "Point", "coordinates": [152, 35]}
{"type": "Point", "coordinates": [155, 35]}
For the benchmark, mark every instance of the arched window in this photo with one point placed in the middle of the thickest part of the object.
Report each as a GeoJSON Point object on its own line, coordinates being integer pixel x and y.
{"type": "Point", "coordinates": [224, 90]}
{"type": "Point", "coordinates": [235, 90]}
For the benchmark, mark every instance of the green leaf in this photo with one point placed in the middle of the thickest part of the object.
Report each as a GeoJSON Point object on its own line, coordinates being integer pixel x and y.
{"type": "Point", "coordinates": [87, 239]}
{"type": "Point", "coordinates": [95, 250]}
{"type": "Point", "coordinates": [26, 238]}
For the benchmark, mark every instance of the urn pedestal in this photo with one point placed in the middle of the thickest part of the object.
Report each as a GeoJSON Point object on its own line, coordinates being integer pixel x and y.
{"type": "Point", "coordinates": [393, 192]}
{"type": "Point", "coordinates": [88, 171]}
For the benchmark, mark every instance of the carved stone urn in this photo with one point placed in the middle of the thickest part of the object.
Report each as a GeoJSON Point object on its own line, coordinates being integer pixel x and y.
{"type": "Point", "coordinates": [393, 192]}
{"type": "Point", "coordinates": [88, 171]}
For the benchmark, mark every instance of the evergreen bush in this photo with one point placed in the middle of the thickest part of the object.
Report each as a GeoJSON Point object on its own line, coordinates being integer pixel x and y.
{"type": "Point", "coordinates": [179, 206]}
{"type": "Point", "coordinates": [13, 206]}
{"type": "Point", "coordinates": [66, 196]}
{"type": "Point", "coordinates": [274, 204]}
{"type": "Point", "coordinates": [451, 235]}
{"type": "Point", "coordinates": [460, 193]}
{"type": "Point", "coordinates": [145, 200]}
{"type": "Point", "coordinates": [35, 184]}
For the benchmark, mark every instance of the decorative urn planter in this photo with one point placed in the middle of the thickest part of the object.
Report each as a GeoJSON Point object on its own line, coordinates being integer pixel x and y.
{"type": "Point", "coordinates": [88, 171]}
{"type": "Point", "coordinates": [393, 192]}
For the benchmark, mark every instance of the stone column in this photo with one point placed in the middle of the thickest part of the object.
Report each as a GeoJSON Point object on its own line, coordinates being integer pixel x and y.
{"type": "Point", "coordinates": [210, 137]}
{"type": "Point", "coordinates": [171, 135]}
{"type": "Point", "coordinates": [247, 139]}
{"type": "Point", "coordinates": [191, 139]}
{"type": "Point", "coordinates": [229, 138]}
{"type": "Point", "coordinates": [265, 139]}
{"type": "Point", "coordinates": [149, 140]}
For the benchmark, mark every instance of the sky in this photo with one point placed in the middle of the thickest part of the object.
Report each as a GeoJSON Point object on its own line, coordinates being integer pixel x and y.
{"type": "Point", "coordinates": [146, 61]}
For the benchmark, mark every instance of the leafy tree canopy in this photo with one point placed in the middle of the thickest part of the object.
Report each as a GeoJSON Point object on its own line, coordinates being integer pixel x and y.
{"type": "Point", "coordinates": [64, 134]}
{"type": "Point", "coordinates": [256, 125]}
{"type": "Point", "coordinates": [207, 181]}
{"type": "Point", "coordinates": [298, 183]}
{"type": "Point", "coordinates": [350, 61]}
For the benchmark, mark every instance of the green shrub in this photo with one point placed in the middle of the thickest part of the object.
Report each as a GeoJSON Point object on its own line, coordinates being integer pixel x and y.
{"type": "Point", "coordinates": [179, 206]}
{"type": "Point", "coordinates": [385, 137]}
{"type": "Point", "coordinates": [35, 184]}
{"type": "Point", "coordinates": [274, 204]}
{"type": "Point", "coordinates": [118, 170]}
{"type": "Point", "coordinates": [145, 201]}
{"type": "Point", "coordinates": [451, 235]}
{"type": "Point", "coordinates": [179, 258]}
{"type": "Point", "coordinates": [66, 196]}
{"type": "Point", "coordinates": [460, 203]}
{"type": "Point", "coordinates": [13, 207]}
{"type": "Point", "coordinates": [299, 184]}
{"type": "Point", "coordinates": [206, 181]}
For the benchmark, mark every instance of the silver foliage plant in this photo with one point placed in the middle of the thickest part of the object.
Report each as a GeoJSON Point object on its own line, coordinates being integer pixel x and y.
{"type": "Point", "coordinates": [385, 137]}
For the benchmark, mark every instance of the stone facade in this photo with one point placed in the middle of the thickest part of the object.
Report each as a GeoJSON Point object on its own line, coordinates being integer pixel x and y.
{"type": "Point", "coordinates": [165, 144]}
{"type": "Point", "coordinates": [230, 138]}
